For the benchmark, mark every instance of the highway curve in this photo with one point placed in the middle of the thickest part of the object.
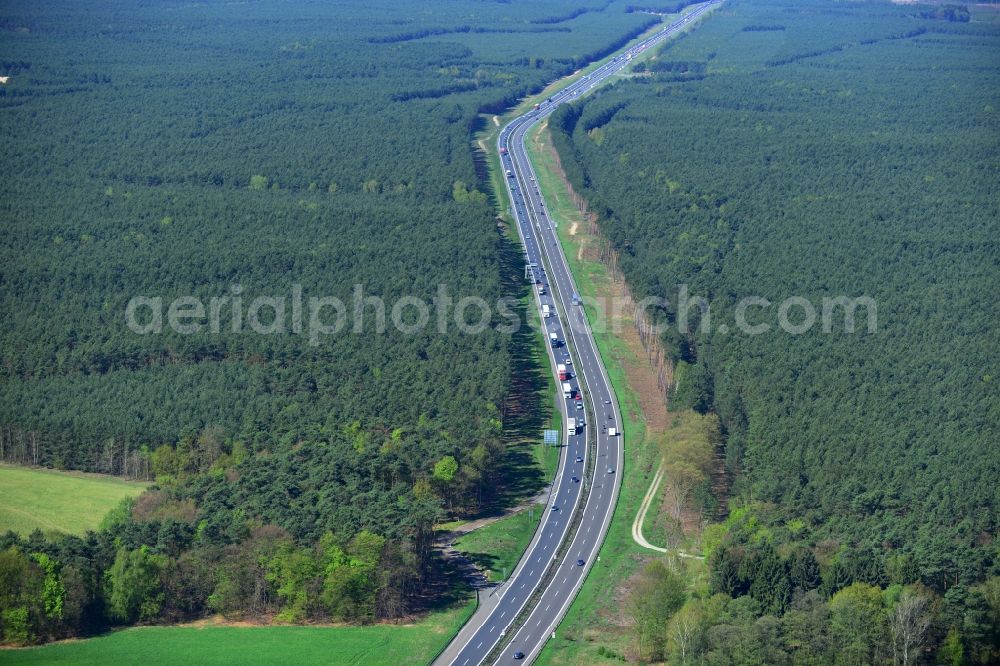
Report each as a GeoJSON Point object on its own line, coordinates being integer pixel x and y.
{"type": "Point", "coordinates": [565, 546]}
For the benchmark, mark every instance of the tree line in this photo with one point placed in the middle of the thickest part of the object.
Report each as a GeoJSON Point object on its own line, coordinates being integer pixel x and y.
{"type": "Point", "coordinates": [794, 165]}
{"type": "Point", "coordinates": [200, 153]}
{"type": "Point", "coordinates": [774, 602]}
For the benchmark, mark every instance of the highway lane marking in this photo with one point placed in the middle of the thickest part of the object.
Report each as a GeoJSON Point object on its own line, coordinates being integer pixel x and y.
{"type": "Point", "coordinates": [523, 125]}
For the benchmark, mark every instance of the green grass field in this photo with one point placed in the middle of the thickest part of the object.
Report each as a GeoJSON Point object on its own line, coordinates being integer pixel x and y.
{"type": "Point", "coordinates": [58, 501]}
{"type": "Point", "coordinates": [391, 645]}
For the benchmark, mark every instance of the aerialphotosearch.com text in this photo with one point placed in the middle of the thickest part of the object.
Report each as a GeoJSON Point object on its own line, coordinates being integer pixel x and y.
{"type": "Point", "coordinates": [318, 317]}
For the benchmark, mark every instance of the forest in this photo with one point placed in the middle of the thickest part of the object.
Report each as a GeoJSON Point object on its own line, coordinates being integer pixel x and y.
{"type": "Point", "coordinates": [177, 150]}
{"type": "Point", "coordinates": [822, 150]}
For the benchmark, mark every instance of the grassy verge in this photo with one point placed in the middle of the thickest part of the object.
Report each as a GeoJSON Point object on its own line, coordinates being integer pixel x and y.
{"type": "Point", "coordinates": [594, 621]}
{"type": "Point", "coordinates": [548, 456]}
{"type": "Point", "coordinates": [498, 546]}
{"type": "Point", "coordinates": [593, 627]}
{"type": "Point", "coordinates": [530, 465]}
{"type": "Point", "coordinates": [391, 645]}
{"type": "Point", "coordinates": [596, 625]}
{"type": "Point", "coordinates": [53, 501]}
{"type": "Point", "coordinates": [591, 615]}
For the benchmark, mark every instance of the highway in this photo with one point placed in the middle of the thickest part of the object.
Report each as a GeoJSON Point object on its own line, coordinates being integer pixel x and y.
{"type": "Point", "coordinates": [588, 480]}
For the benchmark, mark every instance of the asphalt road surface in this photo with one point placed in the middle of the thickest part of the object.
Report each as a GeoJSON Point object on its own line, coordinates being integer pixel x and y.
{"type": "Point", "coordinates": [588, 479]}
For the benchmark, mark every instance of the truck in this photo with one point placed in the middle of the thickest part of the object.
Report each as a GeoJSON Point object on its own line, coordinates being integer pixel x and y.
{"type": "Point", "coordinates": [567, 390]}
{"type": "Point", "coordinates": [541, 290]}
{"type": "Point", "coordinates": [571, 426]}
{"type": "Point", "coordinates": [612, 432]}
{"type": "Point", "coordinates": [563, 373]}
{"type": "Point", "coordinates": [554, 339]}
{"type": "Point", "coordinates": [546, 312]}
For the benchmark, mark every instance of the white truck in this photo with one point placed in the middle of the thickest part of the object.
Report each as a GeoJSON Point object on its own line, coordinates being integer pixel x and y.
{"type": "Point", "coordinates": [546, 311]}
{"type": "Point", "coordinates": [567, 390]}
{"type": "Point", "coordinates": [571, 426]}
{"type": "Point", "coordinates": [612, 432]}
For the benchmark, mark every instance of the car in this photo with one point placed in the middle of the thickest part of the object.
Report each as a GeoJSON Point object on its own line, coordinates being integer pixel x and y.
{"type": "Point", "coordinates": [607, 402]}
{"type": "Point", "coordinates": [576, 479]}
{"type": "Point", "coordinates": [611, 470]}
{"type": "Point", "coordinates": [579, 458]}
{"type": "Point", "coordinates": [518, 655]}
{"type": "Point", "coordinates": [579, 405]}
{"type": "Point", "coordinates": [611, 416]}
{"type": "Point", "coordinates": [555, 508]}
{"type": "Point", "coordinates": [569, 361]}
{"type": "Point", "coordinates": [579, 563]}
